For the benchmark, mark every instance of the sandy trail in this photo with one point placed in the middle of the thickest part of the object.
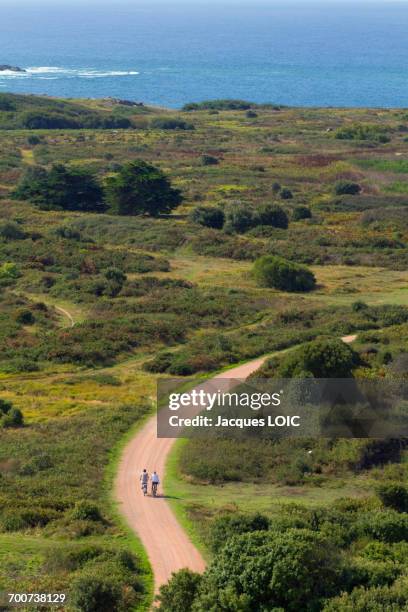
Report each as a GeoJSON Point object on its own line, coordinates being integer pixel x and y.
{"type": "Point", "coordinates": [166, 543]}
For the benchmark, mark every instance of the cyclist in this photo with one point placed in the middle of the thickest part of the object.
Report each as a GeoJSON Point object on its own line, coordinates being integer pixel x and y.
{"type": "Point", "coordinates": [144, 479]}
{"type": "Point", "coordinates": [155, 483]}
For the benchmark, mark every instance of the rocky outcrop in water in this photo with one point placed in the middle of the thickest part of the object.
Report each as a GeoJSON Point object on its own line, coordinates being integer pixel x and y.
{"type": "Point", "coordinates": [4, 67]}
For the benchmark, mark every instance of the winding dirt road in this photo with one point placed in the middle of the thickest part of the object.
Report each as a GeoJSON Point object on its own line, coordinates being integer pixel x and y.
{"type": "Point", "coordinates": [168, 546]}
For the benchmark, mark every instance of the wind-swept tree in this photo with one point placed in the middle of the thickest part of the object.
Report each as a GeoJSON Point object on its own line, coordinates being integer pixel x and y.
{"type": "Point", "coordinates": [141, 188]}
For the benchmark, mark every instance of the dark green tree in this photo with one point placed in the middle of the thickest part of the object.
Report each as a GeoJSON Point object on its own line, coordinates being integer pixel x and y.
{"type": "Point", "coordinates": [140, 188]}
{"type": "Point", "coordinates": [74, 189]}
{"type": "Point", "coordinates": [32, 185]}
{"type": "Point", "coordinates": [61, 188]}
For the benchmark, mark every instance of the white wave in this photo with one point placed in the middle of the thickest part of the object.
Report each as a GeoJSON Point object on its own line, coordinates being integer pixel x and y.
{"type": "Point", "coordinates": [47, 69]}
{"type": "Point", "coordinates": [12, 74]}
{"type": "Point", "coordinates": [56, 72]}
{"type": "Point", "coordinates": [95, 74]}
{"type": "Point", "coordinates": [32, 72]}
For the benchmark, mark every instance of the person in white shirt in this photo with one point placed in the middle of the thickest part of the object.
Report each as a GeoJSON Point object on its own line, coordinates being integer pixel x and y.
{"type": "Point", "coordinates": [155, 482]}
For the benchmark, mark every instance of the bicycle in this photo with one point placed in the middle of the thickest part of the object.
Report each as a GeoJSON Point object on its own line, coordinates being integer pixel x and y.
{"type": "Point", "coordinates": [154, 489]}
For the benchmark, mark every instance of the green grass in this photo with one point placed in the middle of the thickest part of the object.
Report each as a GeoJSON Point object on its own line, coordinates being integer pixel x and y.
{"type": "Point", "coordinates": [397, 187]}
{"type": "Point", "coordinates": [194, 503]}
{"type": "Point", "coordinates": [398, 166]}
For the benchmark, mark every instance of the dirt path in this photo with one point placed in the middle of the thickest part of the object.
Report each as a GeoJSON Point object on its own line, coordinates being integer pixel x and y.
{"type": "Point", "coordinates": [349, 339]}
{"type": "Point", "coordinates": [66, 314]}
{"type": "Point", "coordinates": [168, 546]}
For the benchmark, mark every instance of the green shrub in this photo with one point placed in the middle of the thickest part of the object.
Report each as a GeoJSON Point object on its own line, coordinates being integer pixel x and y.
{"type": "Point", "coordinates": [33, 120]}
{"type": "Point", "coordinates": [224, 527]}
{"type": "Point", "coordinates": [9, 272]}
{"type": "Point", "coordinates": [301, 212]}
{"type": "Point", "coordinates": [10, 417]}
{"type": "Point", "coordinates": [272, 215]}
{"type": "Point", "coordinates": [159, 364]}
{"type": "Point", "coordinates": [321, 359]}
{"type": "Point", "coordinates": [170, 123]}
{"type": "Point", "coordinates": [373, 573]}
{"type": "Point", "coordinates": [86, 511]}
{"type": "Point", "coordinates": [71, 558]}
{"type": "Point", "coordinates": [346, 188]}
{"type": "Point", "coordinates": [74, 118]}
{"type": "Point", "coordinates": [375, 133]}
{"type": "Point", "coordinates": [27, 518]}
{"type": "Point", "coordinates": [380, 452]}
{"type": "Point", "coordinates": [209, 216]}
{"type": "Point", "coordinates": [386, 526]}
{"type": "Point", "coordinates": [239, 218]}
{"type": "Point", "coordinates": [12, 231]}
{"type": "Point", "coordinates": [359, 306]}
{"type": "Point", "coordinates": [272, 271]}
{"type": "Point", "coordinates": [381, 599]}
{"type": "Point", "coordinates": [179, 593]}
{"type": "Point", "coordinates": [286, 194]}
{"type": "Point", "coordinates": [209, 160]}
{"type": "Point", "coordinates": [34, 140]}
{"type": "Point", "coordinates": [24, 316]}
{"type": "Point", "coordinates": [218, 105]}
{"type": "Point", "coordinates": [263, 571]}
{"type": "Point", "coordinates": [38, 463]}
{"type": "Point", "coordinates": [116, 279]}
{"type": "Point", "coordinates": [393, 495]}
{"type": "Point", "coordinates": [67, 232]}
{"type": "Point", "coordinates": [6, 103]}
{"type": "Point", "coordinates": [95, 594]}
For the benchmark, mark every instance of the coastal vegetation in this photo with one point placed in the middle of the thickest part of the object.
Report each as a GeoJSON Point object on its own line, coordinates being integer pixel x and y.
{"type": "Point", "coordinates": [133, 248]}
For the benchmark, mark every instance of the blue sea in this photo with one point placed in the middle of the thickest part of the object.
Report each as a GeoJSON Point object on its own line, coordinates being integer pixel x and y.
{"type": "Point", "coordinates": [305, 54]}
